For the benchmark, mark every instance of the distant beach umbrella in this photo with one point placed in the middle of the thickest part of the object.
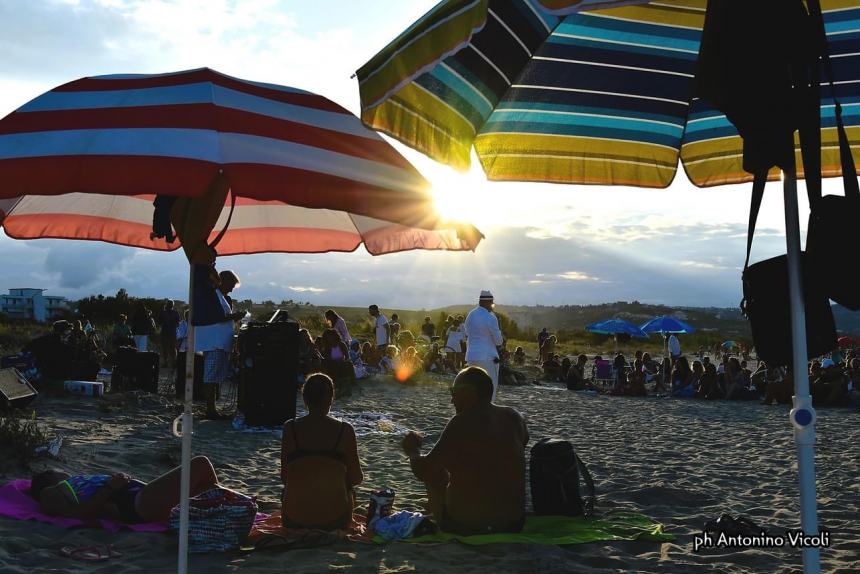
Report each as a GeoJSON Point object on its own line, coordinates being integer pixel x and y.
{"type": "Point", "coordinates": [848, 342]}
{"type": "Point", "coordinates": [728, 344]}
{"type": "Point", "coordinates": [254, 167]}
{"type": "Point", "coordinates": [664, 325]}
{"type": "Point", "coordinates": [616, 327]}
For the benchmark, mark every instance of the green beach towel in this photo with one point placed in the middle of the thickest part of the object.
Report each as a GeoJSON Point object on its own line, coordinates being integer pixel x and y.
{"type": "Point", "coordinates": [553, 530]}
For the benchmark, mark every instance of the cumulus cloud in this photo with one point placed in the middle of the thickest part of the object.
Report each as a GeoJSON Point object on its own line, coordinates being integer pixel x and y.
{"type": "Point", "coordinates": [307, 289]}
{"type": "Point", "coordinates": [577, 276]}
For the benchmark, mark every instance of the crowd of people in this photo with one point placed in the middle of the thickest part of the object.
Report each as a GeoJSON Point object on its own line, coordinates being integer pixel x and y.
{"type": "Point", "coordinates": [834, 379]}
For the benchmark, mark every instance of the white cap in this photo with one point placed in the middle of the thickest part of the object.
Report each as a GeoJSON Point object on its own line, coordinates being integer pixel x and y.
{"type": "Point", "coordinates": [486, 295]}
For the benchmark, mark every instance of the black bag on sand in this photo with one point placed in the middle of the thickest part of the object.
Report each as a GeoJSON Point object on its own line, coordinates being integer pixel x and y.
{"type": "Point", "coordinates": [767, 304]}
{"type": "Point", "coordinates": [555, 472]}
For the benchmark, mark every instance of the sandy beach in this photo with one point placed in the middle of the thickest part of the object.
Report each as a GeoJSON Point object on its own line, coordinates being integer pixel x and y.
{"type": "Point", "coordinates": [680, 462]}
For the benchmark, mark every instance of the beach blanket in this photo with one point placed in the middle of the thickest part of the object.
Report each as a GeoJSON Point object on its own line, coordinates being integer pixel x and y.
{"type": "Point", "coordinates": [271, 533]}
{"type": "Point", "coordinates": [16, 503]}
{"type": "Point", "coordinates": [553, 530]}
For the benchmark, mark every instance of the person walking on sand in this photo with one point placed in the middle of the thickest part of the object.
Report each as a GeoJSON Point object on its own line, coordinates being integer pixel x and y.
{"type": "Point", "coordinates": [674, 347]}
{"type": "Point", "coordinates": [475, 474]}
{"type": "Point", "coordinates": [381, 327]}
{"type": "Point", "coordinates": [142, 326]}
{"type": "Point", "coordinates": [169, 320]}
{"type": "Point", "coordinates": [339, 325]}
{"type": "Point", "coordinates": [485, 337]}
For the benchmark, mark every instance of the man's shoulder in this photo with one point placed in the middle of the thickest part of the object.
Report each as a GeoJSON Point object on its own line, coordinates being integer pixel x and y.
{"type": "Point", "coordinates": [508, 412]}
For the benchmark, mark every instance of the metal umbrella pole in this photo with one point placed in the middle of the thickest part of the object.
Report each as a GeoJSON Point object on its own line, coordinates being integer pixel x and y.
{"type": "Point", "coordinates": [802, 414]}
{"type": "Point", "coordinates": [182, 427]}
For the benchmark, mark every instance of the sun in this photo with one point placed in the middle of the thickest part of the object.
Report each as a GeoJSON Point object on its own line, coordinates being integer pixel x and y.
{"type": "Point", "coordinates": [466, 197]}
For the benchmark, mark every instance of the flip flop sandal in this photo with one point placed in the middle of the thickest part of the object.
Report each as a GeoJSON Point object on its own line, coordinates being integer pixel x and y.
{"type": "Point", "coordinates": [90, 553]}
{"type": "Point", "coordinates": [747, 527]}
{"type": "Point", "coordinates": [725, 523]}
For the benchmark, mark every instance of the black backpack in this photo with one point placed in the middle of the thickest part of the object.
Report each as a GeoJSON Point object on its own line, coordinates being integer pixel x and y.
{"type": "Point", "coordinates": [555, 472]}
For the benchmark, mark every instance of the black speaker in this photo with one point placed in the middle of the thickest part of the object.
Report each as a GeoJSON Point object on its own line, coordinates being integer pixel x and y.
{"type": "Point", "coordinates": [15, 390]}
{"type": "Point", "coordinates": [134, 370]}
{"type": "Point", "coordinates": [199, 393]}
{"type": "Point", "coordinates": [269, 367]}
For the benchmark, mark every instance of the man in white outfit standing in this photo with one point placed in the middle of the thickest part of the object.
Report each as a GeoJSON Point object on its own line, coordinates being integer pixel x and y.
{"type": "Point", "coordinates": [484, 337]}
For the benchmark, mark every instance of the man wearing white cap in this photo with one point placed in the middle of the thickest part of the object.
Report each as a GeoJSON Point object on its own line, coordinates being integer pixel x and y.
{"type": "Point", "coordinates": [484, 337]}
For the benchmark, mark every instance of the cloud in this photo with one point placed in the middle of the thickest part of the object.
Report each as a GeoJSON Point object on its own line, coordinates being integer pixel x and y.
{"type": "Point", "coordinates": [701, 265]}
{"type": "Point", "coordinates": [307, 289]}
{"type": "Point", "coordinates": [575, 276]}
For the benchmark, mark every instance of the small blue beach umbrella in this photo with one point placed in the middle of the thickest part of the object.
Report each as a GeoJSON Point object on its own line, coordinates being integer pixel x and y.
{"type": "Point", "coordinates": [665, 325]}
{"type": "Point", "coordinates": [616, 327]}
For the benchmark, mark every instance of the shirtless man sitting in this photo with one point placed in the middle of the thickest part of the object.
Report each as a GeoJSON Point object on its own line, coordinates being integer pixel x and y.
{"type": "Point", "coordinates": [475, 474]}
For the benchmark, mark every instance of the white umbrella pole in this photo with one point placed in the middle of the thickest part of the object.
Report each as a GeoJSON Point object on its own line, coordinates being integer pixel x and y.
{"type": "Point", "coordinates": [187, 422]}
{"type": "Point", "coordinates": [802, 415]}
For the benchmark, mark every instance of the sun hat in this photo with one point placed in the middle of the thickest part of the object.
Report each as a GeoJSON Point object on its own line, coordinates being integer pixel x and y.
{"type": "Point", "coordinates": [486, 295]}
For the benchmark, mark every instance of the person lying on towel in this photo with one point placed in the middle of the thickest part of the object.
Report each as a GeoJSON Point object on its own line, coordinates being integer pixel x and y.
{"type": "Point", "coordinates": [117, 496]}
{"type": "Point", "coordinates": [319, 463]}
{"type": "Point", "coordinates": [475, 474]}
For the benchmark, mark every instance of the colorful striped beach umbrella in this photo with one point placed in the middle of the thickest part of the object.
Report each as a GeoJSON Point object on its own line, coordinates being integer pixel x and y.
{"type": "Point", "coordinates": [171, 134]}
{"type": "Point", "coordinates": [576, 91]}
{"type": "Point", "coordinates": [254, 227]}
{"type": "Point", "coordinates": [87, 159]}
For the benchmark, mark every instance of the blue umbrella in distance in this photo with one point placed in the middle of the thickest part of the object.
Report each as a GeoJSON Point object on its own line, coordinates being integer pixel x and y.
{"type": "Point", "coordinates": [616, 327]}
{"type": "Point", "coordinates": [665, 325]}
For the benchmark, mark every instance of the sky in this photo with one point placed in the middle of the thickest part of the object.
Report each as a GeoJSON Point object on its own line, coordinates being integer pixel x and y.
{"type": "Point", "coordinates": [545, 244]}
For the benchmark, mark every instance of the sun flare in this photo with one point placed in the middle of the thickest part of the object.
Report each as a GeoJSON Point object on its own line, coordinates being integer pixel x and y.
{"type": "Point", "coordinates": [463, 196]}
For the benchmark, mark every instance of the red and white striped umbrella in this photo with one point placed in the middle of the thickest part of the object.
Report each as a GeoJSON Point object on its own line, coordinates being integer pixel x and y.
{"type": "Point", "coordinates": [85, 160]}
{"type": "Point", "coordinates": [255, 226]}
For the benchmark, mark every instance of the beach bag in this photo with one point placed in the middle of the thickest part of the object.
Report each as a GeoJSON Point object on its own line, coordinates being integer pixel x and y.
{"type": "Point", "coordinates": [218, 520]}
{"type": "Point", "coordinates": [555, 473]}
{"type": "Point", "coordinates": [832, 231]}
{"type": "Point", "coordinates": [767, 305]}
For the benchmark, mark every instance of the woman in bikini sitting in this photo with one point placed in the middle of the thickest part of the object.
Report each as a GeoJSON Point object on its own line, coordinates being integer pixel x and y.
{"type": "Point", "coordinates": [319, 463]}
{"type": "Point", "coordinates": [117, 496]}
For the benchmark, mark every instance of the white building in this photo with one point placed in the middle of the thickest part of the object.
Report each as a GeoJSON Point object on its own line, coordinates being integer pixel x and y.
{"type": "Point", "coordinates": [26, 303]}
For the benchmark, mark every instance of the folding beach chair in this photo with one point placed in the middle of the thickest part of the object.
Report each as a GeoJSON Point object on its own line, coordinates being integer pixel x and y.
{"type": "Point", "coordinates": [604, 373]}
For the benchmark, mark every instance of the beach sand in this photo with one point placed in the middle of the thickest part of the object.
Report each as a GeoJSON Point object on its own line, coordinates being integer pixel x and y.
{"type": "Point", "coordinates": [680, 462]}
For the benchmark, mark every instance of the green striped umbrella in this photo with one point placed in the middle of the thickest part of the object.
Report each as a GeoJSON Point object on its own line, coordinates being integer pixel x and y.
{"type": "Point", "coordinates": [576, 91]}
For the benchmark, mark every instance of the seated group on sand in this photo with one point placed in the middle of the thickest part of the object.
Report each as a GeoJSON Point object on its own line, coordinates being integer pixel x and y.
{"type": "Point", "coordinates": [474, 474]}
{"type": "Point", "coordinates": [834, 380]}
